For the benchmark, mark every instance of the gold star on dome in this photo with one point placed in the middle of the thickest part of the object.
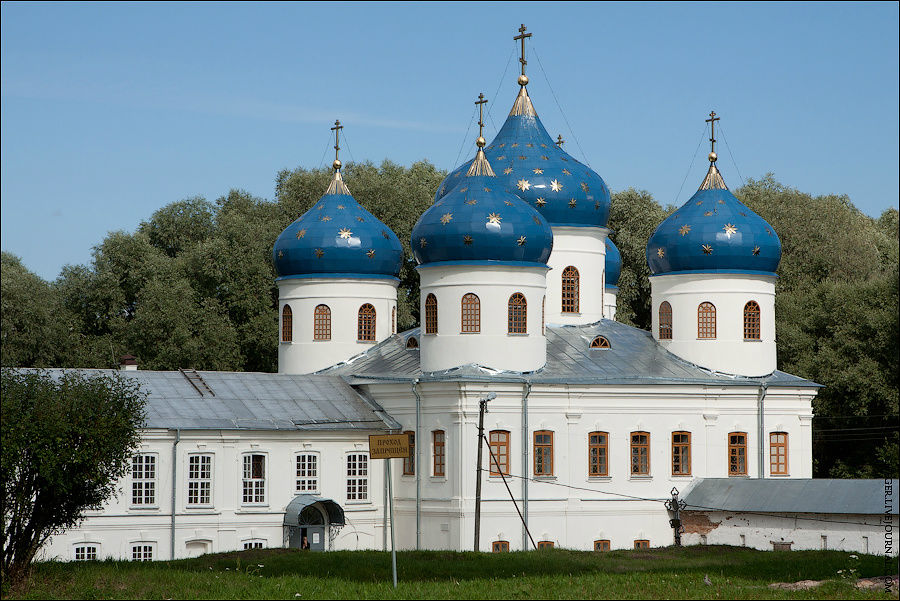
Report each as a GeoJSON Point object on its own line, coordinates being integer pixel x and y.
{"type": "Point", "coordinates": [555, 186]}
{"type": "Point", "coordinates": [755, 251]}
{"type": "Point", "coordinates": [371, 253]}
{"type": "Point", "coordinates": [442, 190]}
{"type": "Point", "coordinates": [341, 207]}
{"type": "Point", "coordinates": [501, 157]}
{"type": "Point", "coordinates": [319, 253]}
{"type": "Point", "coordinates": [521, 241]}
{"type": "Point", "coordinates": [300, 234]}
{"type": "Point", "coordinates": [707, 249]}
{"type": "Point", "coordinates": [320, 207]}
{"type": "Point", "coordinates": [721, 201]}
{"type": "Point", "coordinates": [507, 203]}
{"type": "Point", "coordinates": [566, 171]}
{"type": "Point", "coordinates": [385, 234]}
{"type": "Point", "coordinates": [486, 189]}
{"type": "Point", "coordinates": [564, 159]}
{"type": "Point", "coordinates": [467, 240]}
{"type": "Point", "coordinates": [572, 202]}
{"type": "Point", "coordinates": [530, 145]}
{"type": "Point", "coordinates": [660, 252]}
{"type": "Point", "coordinates": [446, 218]}
{"type": "Point", "coordinates": [597, 206]}
{"type": "Point", "coordinates": [768, 231]}
{"type": "Point", "coordinates": [585, 187]}
{"type": "Point", "coordinates": [471, 201]}
{"type": "Point", "coordinates": [699, 202]}
{"type": "Point", "coordinates": [521, 157]}
{"type": "Point", "coordinates": [544, 146]}
{"type": "Point", "coordinates": [536, 220]}
{"type": "Point", "coordinates": [545, 157]}
{"type": "Point", "coordinates": [507, 171]}
{"type": "Point", "coordinates": [345, 233]}
{"type": "Point", "coordinates": [280, 254]}
{"type": "Point", "coordinates": [494, 218]}
{"type": "Point", "coordinates": [502, 145]}
{"type": "Point", "coordinates": [456, 174]}
{"type": "Point", "coordinates": [538, 171]}
{"type": "Point", "coordinates": [708, 214]}
{"type": "Point", "coordinates": [514, 145]}
{"type": "Point", "coordinates": [326, 218]}
{"type": "Point", "coordinates": [360, 219]}
{"type": "Point", "coordinates": [466, 189]}
{"type": "Point", "coordinates": [540, 201]}
{"type": "Point", "coordinates": [729, 229]}
{"type": "Point", "coordinates": [523, 185]}
{"type": "Point", "coordinates": [742, 214]}
{"type": "Point", "coordinates": [684, 230]}
{"type": "Point", "coordinates": [423, 242]}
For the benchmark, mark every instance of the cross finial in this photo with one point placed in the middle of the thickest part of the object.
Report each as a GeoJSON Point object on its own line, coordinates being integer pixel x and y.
{"type": "Point", "coordinates": [481, 102]}
{"type": "Point", "coordinates": [337, 143]}
{"type": "Point", "coordinates": [560, 141]}
{"type": "Point", "coordinates": [523, 80]}
{"type": "Point", "coordinates": [712, 136]}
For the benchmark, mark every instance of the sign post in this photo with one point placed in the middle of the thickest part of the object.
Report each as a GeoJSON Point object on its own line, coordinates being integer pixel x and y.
{"type": "Point", "coordinates": [390, 446]}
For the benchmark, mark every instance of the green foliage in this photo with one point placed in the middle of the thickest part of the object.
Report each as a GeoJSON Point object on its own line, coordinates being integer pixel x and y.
{"type": "Point", "coordinates": [66, 442]}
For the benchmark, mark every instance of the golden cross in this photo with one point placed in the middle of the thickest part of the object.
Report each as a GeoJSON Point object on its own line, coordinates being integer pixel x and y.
{"type": "Point", "coordinates": [560, 141]}
{"type": "Point", "coordinates": [522, 35]}
{"type": "Point", "coordinates": [712, 134]}
{"type": "Point", "coordinates": [337, 137]}
{"type": "Point", "coordinates": [481, 102]}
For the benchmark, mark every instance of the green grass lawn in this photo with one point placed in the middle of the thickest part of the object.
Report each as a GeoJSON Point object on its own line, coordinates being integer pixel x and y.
{"type": "Point", "coordinates": [670, 573]}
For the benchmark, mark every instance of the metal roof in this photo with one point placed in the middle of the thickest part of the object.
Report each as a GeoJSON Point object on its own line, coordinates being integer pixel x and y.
{"type": "Point", "coordinates": [634, 357]}
{"type": "Point", "coordinates": [253, 401]}
{"type": "Point", "coordinates": [793, 495]}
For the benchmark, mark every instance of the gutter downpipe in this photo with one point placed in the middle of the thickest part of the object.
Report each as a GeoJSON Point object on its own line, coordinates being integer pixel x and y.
{"type": "Point", "coordinates": [418, 449]}
{"type": "Point", "coordinates": [174, 485]}
{"type": "Point", "coordinates": [760, 424]}
{"type": "Point", "coordinates": [525, 394]}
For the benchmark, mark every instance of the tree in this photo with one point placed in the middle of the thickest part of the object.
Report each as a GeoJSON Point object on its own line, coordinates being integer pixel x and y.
{"type": "Point", "coordinates": [66, 441]}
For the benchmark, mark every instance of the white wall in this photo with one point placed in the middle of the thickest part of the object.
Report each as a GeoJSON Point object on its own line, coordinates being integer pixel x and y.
{"type": "Point", "coordinates": [728, 352]}
{"type": "Point", "coordinates": [609, 302]}
{"type": "Point", "coordinates": [494, 346]}
{"type": "Point", "coordinates": [585, 249]}
{"type": "Point", "coordinates": [344, 297]}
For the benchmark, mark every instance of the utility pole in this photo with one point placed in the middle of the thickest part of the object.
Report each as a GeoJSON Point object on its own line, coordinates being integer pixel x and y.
{"type": "Point", "coordinates": [482, 409]}
{"type": "Point", "coordinates": [676, 506]}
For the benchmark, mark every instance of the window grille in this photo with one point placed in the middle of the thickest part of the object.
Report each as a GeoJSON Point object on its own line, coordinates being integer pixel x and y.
{"type": "Point", "coordinates": [543, 453]}
{"type": "Point", "coordinates": [518, 313]}
{"type": "Point", "coordinates": [601, 545]}
{"type": "Point", "coordinates": [357, 477]}
{"type": "Point", "coordinates": [665, 321]}
{"type": "Point", "coordinates": [143, 480]}
{"type": "Point", "coordinates": [393, 320]}
{"type": "Point", "coordinates": [85, 553]}
{"type": "Point", "coordinates": [431, 314]}
{"type": "Point", "coordinates": [252, 544]}
{"type": "Point", "coordinates": [500, 546]}
{"type": "Point", "coordinates": [600, 342]}
{"type": "Point", "coordinates": [287, 324]}
{"type": "Point", "coordinates": [199, 479]}
{"type": "Point", "coordinates": [598, 454]}
{"type": "Point", "coordinates": [471, 314]}
{"type": "Point", "coordinates": [141, 552]}
{"type": "Point", "coordinates": [778, 453]}
{"type": "Point", "coordinates": [706, 320]}
{"type": "Point", "coordinates": [322, 323]}
{"type": "Point", "coordinates": [681, 453]}
{"type": "Point", "coordinates": [737, 454]}
{"type": "Point", "coordinates": [545, 544]}
{"type": "Point", "coordinates": [440, 458]}
{"type": "Point", "coordinates": [751, 321]}
{"type": "Point", "coordinates": [642, 544]}
{"type": "Point", "coordinates": [570, 285]}
{"type": "Point", "coordinates": [640, 453]}
{"type": "Point", "coordinates": [366, 323]}
{"type": "Point", "coordinates": [254, 479]}
{"type": "Point", "coordinates": [499, 440]}
{"type": "Point", "coordinates": [308, 472]}
{"type": "Point", "coordinates": [409, 462]}
{"type": "Point", "coordinates": [412, 342]}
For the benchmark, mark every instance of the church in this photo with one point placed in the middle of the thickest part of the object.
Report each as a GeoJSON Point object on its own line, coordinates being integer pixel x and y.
{"type": "Point", "coordinates": [589, 425]}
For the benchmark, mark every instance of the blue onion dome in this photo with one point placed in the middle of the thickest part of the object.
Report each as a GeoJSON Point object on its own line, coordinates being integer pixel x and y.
{"type": "Point", "coordinates": [714, 232]}
{"type": "Point", "coordinates": [535, 168]}
{"type": "Point", "coordinates": [478, 221]}
{"type": "Point", "coordinates": [613, 264]}
{"type": "Point", "coordinates": [337, 238]}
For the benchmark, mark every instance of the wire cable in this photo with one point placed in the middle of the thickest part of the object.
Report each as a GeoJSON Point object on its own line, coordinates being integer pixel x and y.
{"type": "Point", "coordinates": [733, 162]}
{"type": "Point", "coordinates": [694, 158]}
{"type": "Point", "coordinates": [499, 85]}
{"type": "Point", "coordinates": [463, 143]}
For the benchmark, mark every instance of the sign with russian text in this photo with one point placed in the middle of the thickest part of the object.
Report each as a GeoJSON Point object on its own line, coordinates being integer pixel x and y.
{"type": "Point", "coordinates": [388, 446]}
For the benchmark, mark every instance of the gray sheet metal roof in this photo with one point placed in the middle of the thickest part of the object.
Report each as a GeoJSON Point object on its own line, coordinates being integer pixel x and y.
{"type": "Point", "coordinates": [254, 401]}
{"type": "Point", "coordinates": [634, 358]}
{"type": "Point", "coordinates": [792, 495]}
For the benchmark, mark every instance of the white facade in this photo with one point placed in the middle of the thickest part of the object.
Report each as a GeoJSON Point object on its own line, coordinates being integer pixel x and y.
{"type": "Point", "coordinates": [728, 352]}
{"type": "Point", "coordinates": [343, 298]}
{"type": "Point", "coordinates": [583, 248]}
{"type": "Point", "coordinates": [609, 302]}
{"type": "Point", "coordinates": [493, 345]}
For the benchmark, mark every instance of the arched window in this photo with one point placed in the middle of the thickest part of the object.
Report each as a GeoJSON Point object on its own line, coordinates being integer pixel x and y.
{"type": "Point", "coordinates": [600, 342]}
{"type": "Point", "coordinates": [751, 321]}
{"type": "Point", "coordinates": [706, 320]}
{"type": "Point", "coordinates": [471, 314]}
{"type": "Point", "coordinates": [322, 323]}
{"type": "Point", "coordinates": [431, 314]}
{"type": "Point", "coordinates": [570, 283]}
{"type": "Point", "coordinates": [366, 324]}
{"type": "Point", "coordinates": [518, 312]}
{"type": "Point", "coordinates": [665, 321]}
{"type": "Point", "coordinates": [412, 342]}
{"type": "Point", "coordinates": [500, 546]}
{"type": "Point", "coordinates": [287, 324]}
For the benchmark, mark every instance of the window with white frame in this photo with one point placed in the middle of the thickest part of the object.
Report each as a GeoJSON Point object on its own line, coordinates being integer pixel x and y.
{"type": "Point", "coordinates": [85, 552]}
{"type": "Point", "coordinates": [254, 479]}
{"type": "Point", "coordinates": [358, 477]}
{"type": "Point", "coordinates": [254, 544]}
{"type": "Point", "coordinates": [199, 479]}
{"type": "Point", "coordinates": [308, 472]}
{"type": "Point", "coordinates": [143, 480]}
{"type": "Point", "coordinates": [141, 552]}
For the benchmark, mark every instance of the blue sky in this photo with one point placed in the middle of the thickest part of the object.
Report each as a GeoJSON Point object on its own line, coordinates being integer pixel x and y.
{"type": "Point", "coordinates": [110, 111]}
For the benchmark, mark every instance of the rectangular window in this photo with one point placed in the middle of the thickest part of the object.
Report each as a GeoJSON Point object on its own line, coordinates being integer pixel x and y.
{"type": "Point", "coordinates": [252, 544]}
{"type": "Point", "coordinates": [640, 453]}
{"type": "Point", "coordinates": [499, 440]}
{"type": "Point", "coordinates": [778, 449]}
{"type": "Point", "coordinates": [254, 481]}
{"type": "Point", "coordinates": [141, 552]}
{"type": "Point", "coordinates": [543, 453]}
{"type": "Point", "coordinates": [601, 545]}
{"type": "Point", "coordinates": [500, 546]}
{"type": "Point", "coordinates": [598, 450]}
{"type": "Point", "coordinates": [409, 462]}
{"type": "Point", "coordinates": [681, 453]}
{"type": "Point", "coordinates": [357, 477]}
{"type": "Point", "coordinates": [85, 553]}
{"type": "Point", "coordinates": [199, 479]}
{"type": "Point", "coordinates": [642, 544]}
{"type": "Point", "coordinates": [545, 544]}
{"type": "Point", "coordinates": [308, 473]}
{"type": "Point", "coordinates": [143, 480]}
{"type": "Point", "coordinates": [440, 458]}
{"type": "Point", "coordinates": [737, 454]}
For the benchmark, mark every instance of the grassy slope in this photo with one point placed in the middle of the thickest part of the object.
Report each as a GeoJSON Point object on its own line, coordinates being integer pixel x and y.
{"type": "Point", "coordinates": [736, 573]}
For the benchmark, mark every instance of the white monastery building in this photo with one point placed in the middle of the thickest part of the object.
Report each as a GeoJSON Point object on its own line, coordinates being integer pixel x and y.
{"type": "Point", "coordinates": [591, 422]}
